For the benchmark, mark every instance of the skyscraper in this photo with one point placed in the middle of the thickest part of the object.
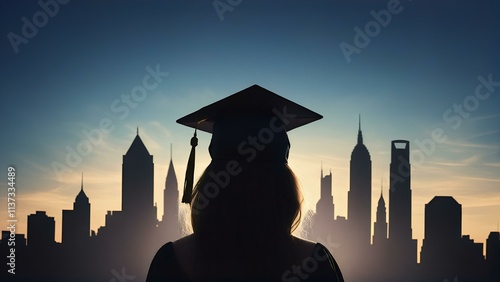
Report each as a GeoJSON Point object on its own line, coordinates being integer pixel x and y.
{"type": "Point", "coordinates": [324, 218]}
{"type": "Point", "coordinates": [443, 233]}
{"type": "Point", "coordinates": [170, 220]}
{"type": "Point", "coordinates": [380, 225]}
{"type": "Point", "coordinates": [400, 231]}
{"type": "Point", "coordinates": [400, 192]}
{"type": "Point", "coordinates": [359, 195]}
{"type": "Point", "coordinates": [137, 185]}
{"type": "Point", "coordinates": [325, 207]}
{"type": "Point", "coordinates": [493, 248]}
{"type": "Point", "coordinates": [41, 230]}
{"type": "Point", "coordinates": [131, 234]}
{"type": "Point", "coordinates": [493, 255]}
{"type": "Point", "coordinates": [445, 252]}
{"type": "Point", "coordinates": [76, 222]}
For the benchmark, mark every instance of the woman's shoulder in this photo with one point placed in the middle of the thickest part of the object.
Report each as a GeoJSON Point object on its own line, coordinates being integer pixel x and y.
{"type": "Point", "coordinates": [166, 264]}
{"type": "Point", "coordinates": [318, 264]}
{"type": "Point", "coordinates": [304, 247]}
{"type": "Point", "coordinates": [185, 252]}
{"type": "Point", "coordinates": [186, 242]}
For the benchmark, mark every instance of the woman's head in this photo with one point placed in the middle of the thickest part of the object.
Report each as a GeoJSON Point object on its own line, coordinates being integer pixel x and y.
{"type": "Point", "coordinates": [248, 191]}
{"type": "Point", "coordinates": [246, 199]}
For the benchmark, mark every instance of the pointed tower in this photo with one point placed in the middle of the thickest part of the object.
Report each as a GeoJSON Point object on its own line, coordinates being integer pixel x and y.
{"type": "Point", "coordinates": [380, 225]}
{"type": "Point", "coordinates": [359, 195]}
{"type": "Point", "coordinates": [76, 222]}
{"type": "Point", "coordinates": [81, 200]}
{"type": "Point", "coordinates": [137, 184]}
{"type": "Point", "coordinates": [171, 197]}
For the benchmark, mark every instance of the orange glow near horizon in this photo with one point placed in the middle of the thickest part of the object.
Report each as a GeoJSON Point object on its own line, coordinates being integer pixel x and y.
{"type": "Point", "coordinates": [103, 187]}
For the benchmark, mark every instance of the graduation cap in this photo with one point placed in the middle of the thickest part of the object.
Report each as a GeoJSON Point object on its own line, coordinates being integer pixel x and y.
{"type": "Point", "coordinates": [248, 126]}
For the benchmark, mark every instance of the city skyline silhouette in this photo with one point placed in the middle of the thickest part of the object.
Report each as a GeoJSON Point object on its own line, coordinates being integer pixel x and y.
{"type": "Point", "coordinates": [402, 89]}
{"type": "Point", "coordinates": [79, 78]}
{"type": "Point", "coordinates": [446, 252]}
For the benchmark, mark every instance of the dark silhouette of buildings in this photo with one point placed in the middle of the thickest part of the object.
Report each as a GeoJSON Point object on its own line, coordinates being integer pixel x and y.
{"type": "Point", "coordinates": [325, 204]}
{"type": "Point", "coordinates": [380, 225]}
{"type": "Point", "coordinates": [359, 195]}
{"type": "Point", "coordinates": [350, 238]}
{"type": "Point", "coordinates": [493, 255]}
{"type": "Point", "coordinates": [41, 230]}
{"type": "Point", "coordinates": [324, 207]}
{"type": "Point", "coordinates": [137, 185]}
{"type": "Point", "coordinates": [400, 240]}
{"type": "Point", "coordinates": [170, 226]}
{"type": "Point", "coordinates": [8, 241]}
{"type": "Point", "coordinates": [471, 266]}
{"type": "Point", "coordinates": [123, 248]}
{"type": "Point", "coordinates": [445, 252]}
{"type": "Point", "coordinates": [136, 225]}
{"type": "Point", "coordinates": [443, 234]}
{"type": "Point", "coordinates": [76, 222]}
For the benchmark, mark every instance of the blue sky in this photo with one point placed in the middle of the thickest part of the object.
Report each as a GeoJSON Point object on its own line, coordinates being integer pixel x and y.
{"type": "Point", "coordinates": [427, 59]}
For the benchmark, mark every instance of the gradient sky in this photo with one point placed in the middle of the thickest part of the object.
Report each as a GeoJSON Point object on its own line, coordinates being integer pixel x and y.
{"type": "Point", "coordinates": [428, 58]}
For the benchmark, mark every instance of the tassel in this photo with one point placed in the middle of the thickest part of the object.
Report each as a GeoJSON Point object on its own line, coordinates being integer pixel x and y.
{"type": "Point", "coordinates": [188, 182]}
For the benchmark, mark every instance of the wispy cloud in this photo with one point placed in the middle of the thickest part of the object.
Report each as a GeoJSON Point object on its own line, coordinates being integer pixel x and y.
{"type": "Point", "coordinates": [160, 129]}
{"type": "Point", "coordinates": [487, 117]}
{"type": "Point", "coordinates": [463, 144]}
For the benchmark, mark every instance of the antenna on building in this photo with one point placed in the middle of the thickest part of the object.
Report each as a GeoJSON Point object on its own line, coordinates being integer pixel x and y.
{"type": "Point", "coordinates": [359, 122]}
{"type": "Point", "coordinates": [360, 134]}
{"type": "Point", "coordinates": [381, 185]}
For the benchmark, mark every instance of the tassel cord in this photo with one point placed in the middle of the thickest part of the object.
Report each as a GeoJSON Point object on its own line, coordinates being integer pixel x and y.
{"type": "Point", "coordinates": [189, 180]}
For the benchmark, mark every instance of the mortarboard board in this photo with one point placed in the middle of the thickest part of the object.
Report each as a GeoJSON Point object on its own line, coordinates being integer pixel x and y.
{"type": "Point", "coordinates": [248, 126]}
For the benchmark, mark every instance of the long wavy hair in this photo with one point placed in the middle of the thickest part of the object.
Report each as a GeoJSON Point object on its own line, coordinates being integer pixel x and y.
{"type": "Point", "coordinates": [251, 208]}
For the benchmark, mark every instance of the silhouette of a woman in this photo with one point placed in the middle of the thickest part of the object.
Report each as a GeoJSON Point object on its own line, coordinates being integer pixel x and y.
{"type": "Point", "coordinates": [246, 204]}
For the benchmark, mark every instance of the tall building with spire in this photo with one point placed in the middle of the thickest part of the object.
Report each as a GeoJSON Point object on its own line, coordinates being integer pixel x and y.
{"type": "Point", "coordinates": [137, 185]}
{"type": "Point", "coordinates": [380, 225]}
{"type": "Point", "coordinates": [76, 222]}
{"type": "Point", "coordinates": [359, 195]}
{"type": "Point", "coordinates": [170, 219]}
{"type": "Point", "coordinates": [136, 225]}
